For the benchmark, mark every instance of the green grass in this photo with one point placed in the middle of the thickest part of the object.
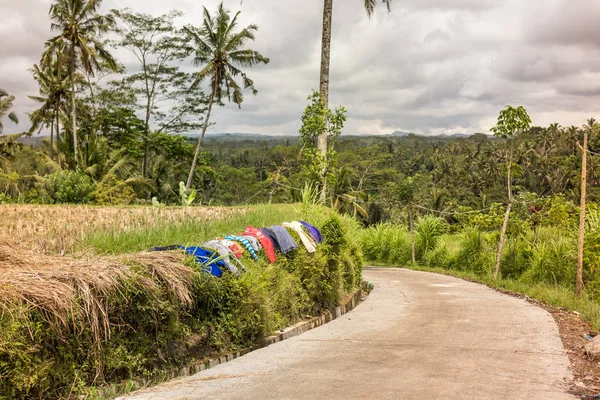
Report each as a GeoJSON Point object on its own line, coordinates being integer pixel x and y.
{"type": "Point", "coordinates": [192, 232]}
{"type": "Point", "coordinates": [542, 268]}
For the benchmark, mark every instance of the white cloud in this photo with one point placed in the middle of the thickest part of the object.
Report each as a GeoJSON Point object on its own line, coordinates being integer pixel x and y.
{"type": "Point", "coordinates": [431, 66]}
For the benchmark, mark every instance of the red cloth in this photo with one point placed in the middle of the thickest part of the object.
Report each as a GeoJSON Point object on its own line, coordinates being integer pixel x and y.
{"type": "Point", "coordinates": [236, 250]}
{"type": "Point", "coordinates": [265, 242]}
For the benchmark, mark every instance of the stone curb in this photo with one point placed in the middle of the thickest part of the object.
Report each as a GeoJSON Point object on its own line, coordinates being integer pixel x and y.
{"type": "Point", "coordinates": [110, 392]}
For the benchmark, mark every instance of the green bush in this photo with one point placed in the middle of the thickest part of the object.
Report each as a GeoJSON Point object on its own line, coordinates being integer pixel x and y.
{"type": "Point", "coordinates": [387, 244]}
{"type": "Point", "coordinates": [67, 187]}
{"type": "Point", "coordinates": [516, 258]}
{"type": "Point", "coordinates": [428, 230]}
{"type": "Point", "coordinates": [113, 191]}
{"type": "Point", "coordinates": [553, 262]}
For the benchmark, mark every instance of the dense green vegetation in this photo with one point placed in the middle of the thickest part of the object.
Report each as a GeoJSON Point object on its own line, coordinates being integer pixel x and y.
{"type": "Point", "coordinates": [104, 319]}
{"type": "Point", "coordinates": [539, 258]}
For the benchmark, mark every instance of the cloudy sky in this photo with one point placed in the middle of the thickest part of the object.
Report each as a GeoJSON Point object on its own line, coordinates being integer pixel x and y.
{"type": "Point", "coordinates": [431, 66]}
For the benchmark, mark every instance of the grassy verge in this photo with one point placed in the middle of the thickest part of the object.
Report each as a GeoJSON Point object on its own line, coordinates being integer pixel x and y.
{"type": "Point", "coordinates": [553, 295]}
{"type": "Point", "coordinates": [108, 311]}
{"type": "Point", "coordinates": [540, 265]}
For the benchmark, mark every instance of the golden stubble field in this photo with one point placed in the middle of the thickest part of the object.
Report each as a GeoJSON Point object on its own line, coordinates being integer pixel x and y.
{"type": "Point", "coordinates": [57, 229]}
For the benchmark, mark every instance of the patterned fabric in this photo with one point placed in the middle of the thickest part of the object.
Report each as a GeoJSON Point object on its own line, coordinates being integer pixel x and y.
{"type": "Point", "coordinates": [286, 241]}
{"type": "Point", "coordinates": [233, 246]}
{"type": "Point", "coordinates": [246, 244]}
{"type": "Point", "coordinates": [254, 241]}
{"type": "Point", "coordinates": [264, 241]}
{"type": "Point", "coordinates": [314, 232]}
{"type": "Point", "coordinates": [307, 241]}
{"type": "Point", "coordinates": [225, 253]}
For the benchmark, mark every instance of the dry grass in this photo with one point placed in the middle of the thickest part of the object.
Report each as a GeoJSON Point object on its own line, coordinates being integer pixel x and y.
{"type": "Point", "coordinates": [75, 291]}
{"type": "Point", "coordinates": [57, 229]}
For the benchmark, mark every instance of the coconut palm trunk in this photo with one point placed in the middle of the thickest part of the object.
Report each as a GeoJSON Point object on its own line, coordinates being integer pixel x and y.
{"type": "Point", "coordinates": [199, 146]}
{"type": "Point", "coordinates": [57, 135]}
{"type": "Point", "coordinates": [73, 110]}
{"type": "Point", "coordinates": [52, 137]}
{"type": "Point", "coordinates": [324, 85]}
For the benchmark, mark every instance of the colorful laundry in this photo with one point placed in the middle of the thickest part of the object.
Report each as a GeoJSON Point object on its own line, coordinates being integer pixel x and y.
{"type": "Point", "coordinates": [307, 241]}
{"type": "Point", "coordinates": [245, 242]}
{"type": "Point", "coordinates": [314, 232]}
{"type": "Point", "coordinates": [264, 241]}
{"type": "Point", "coordinates": [224, 252]}
{"type": "Point", "coordinates": [286, 241]}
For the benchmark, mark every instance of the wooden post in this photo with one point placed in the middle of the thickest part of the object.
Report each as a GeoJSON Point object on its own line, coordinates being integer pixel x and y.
{"type": "Point", "coordinates": [412, 234]}
{"type": "Point", "coordinates": [579, 282]}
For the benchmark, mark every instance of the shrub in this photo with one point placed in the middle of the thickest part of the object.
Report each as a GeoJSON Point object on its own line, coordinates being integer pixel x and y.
{"type": "Point", "coordinates": [428, 229]}
{"type": "Point", "coordinates": [553, 262]}
{"type": "Point", "coordinates": [113, 191]}
{"type": "Point", "coordinates": [516, 258]}
{"type": "Point", "coordinates": [68, 187]}
{"type": "Point", "coordinates": [387, 244]}
{"type": "Point", "coordinates": [474, 254]}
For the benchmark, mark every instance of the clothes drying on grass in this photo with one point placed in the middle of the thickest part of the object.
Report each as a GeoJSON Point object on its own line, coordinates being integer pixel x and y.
{"type": "Point", "coordinates": [313, 231]}
{"type": "Point", "coordinates": [286, 241]}
{"type": "Point", "coordinates": [272, 237]}
{"type": "Point", "coordinates": [254, 242]}
{"type": "Point", "coordinates": [203, 257]}
{"type": "Point", "coordinates": [225, 253]}
{"type": "Point", "coordinates": [235, 248]}
{"type": "Point", "coordinates": [307, 241]}
{"type": "Point", "coordinates": [265, 242]}
{"type": "Point", "coordinates": [245, 242]}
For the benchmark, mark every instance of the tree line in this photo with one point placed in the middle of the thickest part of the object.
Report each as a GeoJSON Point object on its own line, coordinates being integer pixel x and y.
{"type": "Point", "coordinates": [90, 103]}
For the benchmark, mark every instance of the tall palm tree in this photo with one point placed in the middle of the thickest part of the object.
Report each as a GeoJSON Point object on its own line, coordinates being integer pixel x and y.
{"type": "Point", "coordinates": [54, 89]}
{"type": "Point", "coordinates": [370, 6]}
{"type": "Point", "coordinates": [81, 28]}
{"type": "Point", "coordinates": [219, 48]}
{"type": "Point", "coordinates": [6, 105]}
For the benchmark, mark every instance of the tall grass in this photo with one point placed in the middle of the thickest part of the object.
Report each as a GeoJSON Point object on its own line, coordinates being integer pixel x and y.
{"type": "Point", "coordinates": [386, 244]}
{"type": "Point", "coordinates": [540, 264]}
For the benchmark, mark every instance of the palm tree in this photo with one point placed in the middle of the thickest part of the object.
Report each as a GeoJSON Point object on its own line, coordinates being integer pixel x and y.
{"type": "Point", "coordinates": [6, 104]}
{"type": "Point", "coordinates": [325, 61]}
{"type": "Point", "coordinates": [54, 88]}
{"type": "Point", "coordinates": [80, 28]}
{"type": "Point", "coordinates": [220, 50]}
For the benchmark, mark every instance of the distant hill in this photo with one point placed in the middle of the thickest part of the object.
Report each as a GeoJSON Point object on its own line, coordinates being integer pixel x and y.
{"type": "Point", "coordinates": [402, 134]}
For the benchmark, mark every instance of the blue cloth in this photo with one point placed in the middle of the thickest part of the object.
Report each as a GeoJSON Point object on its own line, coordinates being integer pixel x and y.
{"type": "Point", "coordinates": [204, 258]}
{"type": "Point", "coordinates": [314, 232]}
{"type": "Point", "coordinates": [246, 244]}
{"type": "Point", "coordinates": [286, 241]}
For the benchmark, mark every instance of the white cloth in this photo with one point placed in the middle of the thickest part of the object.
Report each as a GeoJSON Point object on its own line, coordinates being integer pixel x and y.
{"type": "Point", "coordinates": [307, 241]}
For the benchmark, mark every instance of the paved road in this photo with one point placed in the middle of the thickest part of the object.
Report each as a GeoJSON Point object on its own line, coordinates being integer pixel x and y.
{"type": "Point", "coordinates": [417, 336]}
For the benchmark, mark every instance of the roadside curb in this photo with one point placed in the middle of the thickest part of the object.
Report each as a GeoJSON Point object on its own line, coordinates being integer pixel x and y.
{"type": "Point", "coordinates": [119, 389]}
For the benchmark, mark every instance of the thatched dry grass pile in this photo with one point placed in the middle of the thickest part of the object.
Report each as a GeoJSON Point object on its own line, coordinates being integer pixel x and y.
{"type": "Point", "coordinates": [74, 296]}
{"type": "Point", "coordinates": [64, 290]}
{"type": "Point", "coordinates": [57, 229]}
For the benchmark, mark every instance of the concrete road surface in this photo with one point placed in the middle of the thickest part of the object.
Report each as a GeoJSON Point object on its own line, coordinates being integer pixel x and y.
{"type": "Point", "coordinates": [417, 336]}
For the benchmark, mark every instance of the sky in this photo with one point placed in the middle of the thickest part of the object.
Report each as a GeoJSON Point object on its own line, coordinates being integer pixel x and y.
{"type": "Point", "coordinates": [429, 66]}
